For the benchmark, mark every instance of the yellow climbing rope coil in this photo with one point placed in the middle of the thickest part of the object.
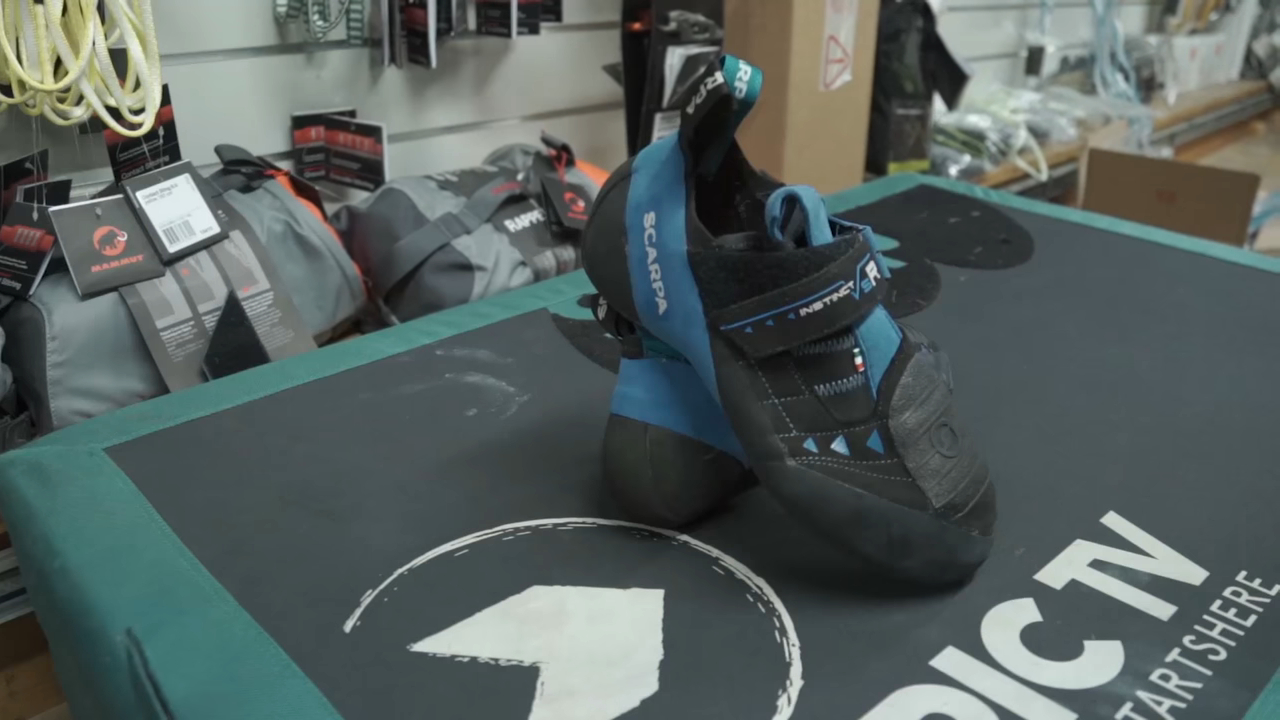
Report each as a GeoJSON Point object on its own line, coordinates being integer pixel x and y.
{"type": "Point", "coordinates": [54, 62]}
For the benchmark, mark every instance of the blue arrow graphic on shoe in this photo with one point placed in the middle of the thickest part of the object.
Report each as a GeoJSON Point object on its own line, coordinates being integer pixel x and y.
{"type": "Point", "coordinates": [810, 445]}
{"type": "Point", "coordinates": [840, 445]}
{"type": "Point", "coordinates": [875, 443]}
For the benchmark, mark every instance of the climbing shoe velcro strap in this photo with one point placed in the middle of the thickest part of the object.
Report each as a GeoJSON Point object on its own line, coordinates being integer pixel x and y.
{"type": "Point", "coordinates": [835, 298]}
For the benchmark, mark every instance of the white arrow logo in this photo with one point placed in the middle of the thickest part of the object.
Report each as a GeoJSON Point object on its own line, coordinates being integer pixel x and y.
{"type": "Point", "coordinates": [597, 649]}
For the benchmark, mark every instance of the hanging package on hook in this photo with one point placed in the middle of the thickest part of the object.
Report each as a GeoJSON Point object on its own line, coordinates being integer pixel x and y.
{"type": "Point", "coordinates": [26, 243]}
{"type": "Point", "coordinates": [19, 173]}
{"type": "Point", "coordinates": [357, 152]}
{"type": "Point", "coordinates": [451, 17]}
{"type": "Point", "coordinates": [912, 64]}
{"type": "Point", "coordinates": [418, 28]}
{"type": "Point", "coordinates": [333, 145]}
{"type": "Point", "coordinates": [310, 148]}
{"type": "Point", "coordinates": [131, 156]}
{"type": "Point", "coordinates": [508, 18]}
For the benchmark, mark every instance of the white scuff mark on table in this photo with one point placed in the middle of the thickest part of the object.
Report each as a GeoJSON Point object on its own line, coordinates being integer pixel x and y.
{"type": "Point", "coordinates": [507, 398]}
{"type": "Point", "coordinates": [479, 354]}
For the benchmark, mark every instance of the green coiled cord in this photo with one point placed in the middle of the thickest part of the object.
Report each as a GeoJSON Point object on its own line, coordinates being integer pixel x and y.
{"type": "Point", "coordinates": [320, 21]}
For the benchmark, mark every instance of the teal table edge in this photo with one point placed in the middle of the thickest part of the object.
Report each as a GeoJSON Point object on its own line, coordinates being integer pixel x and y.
{"type": "Point", "coordinates": [164, 638]}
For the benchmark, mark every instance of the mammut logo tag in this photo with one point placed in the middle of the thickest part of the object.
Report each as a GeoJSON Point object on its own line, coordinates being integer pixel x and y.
{"type": "Point", "coordinates": [524, 220]}
{"type": "Point", "coordinates": [651, 254]}
{"type": "Point", "coordinates": [740, 80]}
{"type": "Point", "coordinates": [707, 86]}
{"type": "Point", "coordinates": [110, 241]}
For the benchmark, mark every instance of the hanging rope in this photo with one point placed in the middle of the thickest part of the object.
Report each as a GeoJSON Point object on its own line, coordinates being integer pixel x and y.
{"type": "Point", "coordinates": [54, 57]}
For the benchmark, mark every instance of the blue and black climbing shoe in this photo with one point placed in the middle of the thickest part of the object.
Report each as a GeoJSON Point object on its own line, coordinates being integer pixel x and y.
{"type": "Point", "coordinates": [845, 417]}
{"type": "Point", "coordinates": [670, 457]}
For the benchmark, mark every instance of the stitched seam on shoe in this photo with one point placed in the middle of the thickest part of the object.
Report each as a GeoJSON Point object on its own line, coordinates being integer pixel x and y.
{"type": "Point", "coordinates": [836, 432]}
{"type": "Point", "coordinates": [778, 401]}
{"type": "Point", "coordinates": [852, 462]}
{"type": "Point", "coordinates": [830, 463]}
{"type": "Point", "coordinates": [795, 373]}
{"type": "Point", "coordinates": [773, 397]}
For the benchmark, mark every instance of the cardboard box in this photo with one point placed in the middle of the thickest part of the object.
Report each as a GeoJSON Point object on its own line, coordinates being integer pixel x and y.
{"type": "Point", "coordinates": [1197, 200]}
{"type": "Point", "coordinates": [818, 57]}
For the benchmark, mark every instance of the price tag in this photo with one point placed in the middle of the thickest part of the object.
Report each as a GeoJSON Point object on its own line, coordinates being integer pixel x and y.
{"type": "Point", "coordinates": [172, 203]}
{"type": "Point", "coordinates": [178, 212]}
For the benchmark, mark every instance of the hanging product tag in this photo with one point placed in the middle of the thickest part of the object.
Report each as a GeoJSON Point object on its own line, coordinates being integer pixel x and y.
{"type": "Point", "coordinates": [26, 243]}
{"type": "Point", "coordinates": [909, 135]}
{"type": "Point", "coordinates": [310, 149]}
{"type": "Point", "coordinates": [1033, 66]}
{"type": "Point", "coordinates": [159, 148]}
{"type": "Point", "coordinates": [567, 204]}
{"type": "Point", "coordinates": [234, 345]}
{"type": "Point", "coordinates": [552, 11]}
{"type": "Point", "coordinates": [418, 25]}
{"type": "Point", "coordinates": [174, 313]}
{"type": "Point", "coordinates": [53, 192]}
{"type": "Point", "coordinates": [357, 152]}
{"type": "Point", "coordinates": [248, 269]}
{"type": "Point", "coordinates": [17, 174]}
{"type": "Point", "coordinates": [445, 18]}
{"type": "Point", "coordinates": [392, 37]}
{"type": "Point", "coordinates": [180, 312]}
{"type": "Point", "coordinates": [174, 209]}
{"type": "Point", "coordinates": [104, 245]}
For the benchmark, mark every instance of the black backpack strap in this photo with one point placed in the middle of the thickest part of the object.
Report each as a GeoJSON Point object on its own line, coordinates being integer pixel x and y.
{"type": "Point", "coordinates": [241, 170]}
{"type": "Point", "coordinates": [404, 258]}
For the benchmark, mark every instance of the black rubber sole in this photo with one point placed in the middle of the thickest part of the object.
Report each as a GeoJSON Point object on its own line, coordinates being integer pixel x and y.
{"type": "Point", "coordinates": [896, 540]}
{"type": "Point", "coordinates": [664, 478]}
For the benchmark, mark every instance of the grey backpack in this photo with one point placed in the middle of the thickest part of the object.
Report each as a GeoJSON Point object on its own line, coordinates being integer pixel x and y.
{"type": "Point", "coordinates": [433, 242]}
{"type": "Point", "coordinates": [74, 358]}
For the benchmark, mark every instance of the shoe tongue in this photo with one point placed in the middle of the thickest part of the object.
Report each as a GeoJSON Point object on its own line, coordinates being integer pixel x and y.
{"type": "Point", "coordinates": [714, 105]}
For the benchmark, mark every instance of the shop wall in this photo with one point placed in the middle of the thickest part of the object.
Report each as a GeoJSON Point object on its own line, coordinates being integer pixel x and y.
{"type": "Point", "coordinates": [990, 34]}
{"type": "Point", "coordinates": [235, 79]}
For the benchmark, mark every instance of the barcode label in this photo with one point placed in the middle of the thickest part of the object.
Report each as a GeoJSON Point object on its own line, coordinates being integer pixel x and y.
{"type": "Point", "coordinates": [664, 124]}
{"type": "Point", "coordinates": [178, 233]}
{"type": "Point", "coordinates": [178, 212]}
